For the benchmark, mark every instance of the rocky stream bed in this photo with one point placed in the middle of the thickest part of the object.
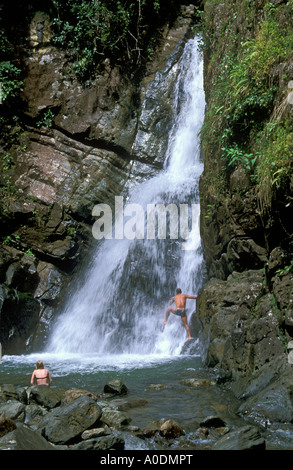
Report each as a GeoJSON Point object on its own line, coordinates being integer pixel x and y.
{"type": "Point", "coordinates": [49, 418]}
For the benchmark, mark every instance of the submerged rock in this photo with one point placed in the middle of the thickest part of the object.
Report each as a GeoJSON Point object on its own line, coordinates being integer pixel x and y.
{"type": "Point", "coordinates": [198, 382]}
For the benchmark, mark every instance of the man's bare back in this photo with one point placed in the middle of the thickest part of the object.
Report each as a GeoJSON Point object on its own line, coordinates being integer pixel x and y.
{"type": "Point", "coordinates": [180, 302]}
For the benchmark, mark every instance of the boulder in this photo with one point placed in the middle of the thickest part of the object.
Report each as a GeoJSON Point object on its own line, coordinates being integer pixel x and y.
{"type": "Point", "coordinates": [71, 395]}
{"type": "Point", "coordinates": [114, 418]}
{"type": "Point", "coordinates": [65, 424]}
{"type": "Point", "coordinates": [24, 438]}
{"type": "Point", "coordinates": [125, 404]}
{"type": "Point", "coordinates": [115, 387]}
{"type": "Point", "coordinates": [101, 443]}
{"type": "Point", "coordinates": [212, 422]}
{"type": "Point", "coordinates": [33, 414]}
{"type": "Point", "coordinates": [239, 323]}
{"type": "Point", "coordinates": [11, 392]}
{"type": "Point", "coordinates": [96, 432]}
{"type": "Point", "coordinates": [170, 429]}
{"type": "Point", "coordinates": [272, 403]}
{"type": "Point", "coordinates": [6, 425]}
{"type": "Point", "coordinates": [45, 396]}
{"type": "Point", "coordinates": [13, 410]}
{"type": "Point", "coordinates": [244, 438]}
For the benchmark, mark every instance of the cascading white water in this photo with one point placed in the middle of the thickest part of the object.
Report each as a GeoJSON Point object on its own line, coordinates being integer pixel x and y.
{"type": "Point", "coordinates": [120, 306]}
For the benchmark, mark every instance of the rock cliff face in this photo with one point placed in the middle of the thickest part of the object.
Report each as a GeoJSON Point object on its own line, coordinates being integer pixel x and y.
{"type": "Point", "coordinates": [246, 306]}
{"type": "Point", "coordinates": [76, 145]}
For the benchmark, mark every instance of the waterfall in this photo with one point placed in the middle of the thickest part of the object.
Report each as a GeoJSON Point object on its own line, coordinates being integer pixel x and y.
{"type": "Point", "coordinates": [120, 305]}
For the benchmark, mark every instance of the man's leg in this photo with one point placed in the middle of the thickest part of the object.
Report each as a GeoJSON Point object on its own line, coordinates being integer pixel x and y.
{"type": "Point", "coordinates": [168, 311]}
{"type": "Point", "coordinates": [184, 321]}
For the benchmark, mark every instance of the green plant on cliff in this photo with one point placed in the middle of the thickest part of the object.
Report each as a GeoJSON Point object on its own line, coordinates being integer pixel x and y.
{"type": "Point", "coordinates": [120, 30]}
{"type": "Point", "coordinates": [10, 81]}
{"type": "Point", "coordinates": [252, 88]}
{"type": "Point", "coordinates": [244, 95]}
{"type": "Point", "coordinates": [236, 156]}
{"type": "Point", "coordinates": [276, 155]}
{"type": "Point", "coordinates": [10, 74]}
{"type": "Point", "coordinates": [47, 119]}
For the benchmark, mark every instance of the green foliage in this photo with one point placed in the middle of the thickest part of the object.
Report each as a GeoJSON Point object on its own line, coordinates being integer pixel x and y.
{"type": "Point", "coordinates": [10, 75]}
{"type": "Point", "coordinates": [6, 161]}
{"type": "Point", "coordinates": [47, 119]}
{"type": "Point", "coordinates": [119, 30]}
{"type": "Point", "coordinates": [239, 123]}
{"type": "Point", "coordinates": [275, 146]}
{"type": "Point", "coordinates": [272, 45]}
{"type": "Point", "coordinates": [250, 78]}
{"type": "Point", "coordinates": [10, 81]}
{"type": "Point", "coordinates": [235, 157]}
{"type": "Point", "coordinates": [287, 269]}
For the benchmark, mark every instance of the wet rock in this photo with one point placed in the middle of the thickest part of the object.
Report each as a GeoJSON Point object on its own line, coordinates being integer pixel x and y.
{"type": "Point", "coordinates": [282, 289]}
{"type": "Point", "coordinates": [24, 438]}
{"type": "Point", "coordinates": [13, 410]}
{"type": "Point", "coordinates": [11, 392]}
{"type": "Point", "coordinates": [116, 387]}
{"type": "Point", "coordinates": [101, 443]}
{"type": "Point", "coordinates": [198, 382]}
{"type": "Point", "coordinates": [277, 260]}
{"type": "Point", "coordinates": [23, 275]}
{"type": "Point", "coordinates": [96, 432]}
{"type": "Point", "coordinates": [6, 425]}
{"type": "Point", "coordinates": [212, 422]}
{"type": "Point", "coordinates": [66, 423]}
{"type": "Point", "coordinates": [271, 404]}
{"type": "Point", "coordinates": [290, 352]}
{"type": "Point", "coordinates": [100, 135]}
{"type": "Point", "coordinates": [50, 282]}
{"type": "Point", "coordinates": [239, 180]}
{"type": "Point", "coordinates": [125, 404]}
{"type": "Point", "coordinates": [45, 396]}
{"type": "Point", "coordinates": [244, 438]}
{"type": "Point", "coordinates": [170, 429]}
{"type": "Point", "coordinates": [239, 323]}
{"type": "Point", "coordinates": [157, 386]}
{"type": "Point", "coordinates": [33, 415]}
{"type": "Point", "coordinates": [15, 329]}
{"type": "Point", "coordinates": [71, 395]}
{"type": "Point", "coordinates": [114, 418]}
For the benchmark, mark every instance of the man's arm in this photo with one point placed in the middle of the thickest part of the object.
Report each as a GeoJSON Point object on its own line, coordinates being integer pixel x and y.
{"type": "Point", "coordinates": [191, 296]}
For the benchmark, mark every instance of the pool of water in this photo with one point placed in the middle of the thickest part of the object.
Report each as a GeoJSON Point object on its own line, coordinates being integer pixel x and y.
{"type": "Point", "coordinates": [157, 379]}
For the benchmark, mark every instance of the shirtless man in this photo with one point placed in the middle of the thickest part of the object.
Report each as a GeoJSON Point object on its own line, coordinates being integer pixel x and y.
{"type": "Point", "coordinates": [180, 302]}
